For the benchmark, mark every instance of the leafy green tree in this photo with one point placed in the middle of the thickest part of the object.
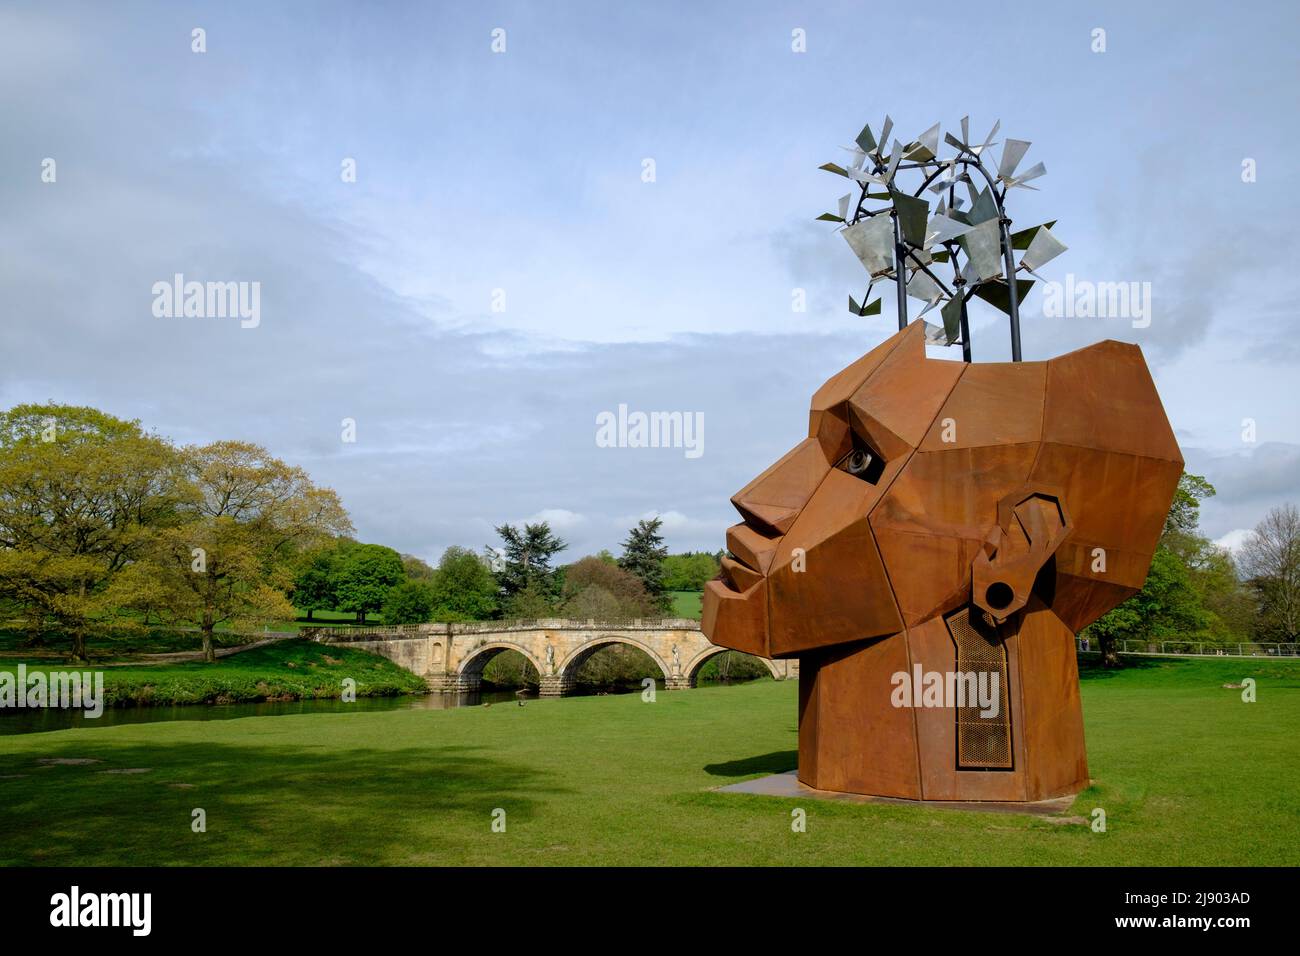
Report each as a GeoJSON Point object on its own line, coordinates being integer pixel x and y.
{"type": "Point", "coordinates": [411, 602]}
{"type": "Point", "coordinates": [365, 575]}
{"type": "Point", "coordinates": [643, 555]}
{"type": "Point", "coordinates": [689, 571]}
{"type": "Point", "coordinates": [525, 560]}
{"type": "Point", "coordinates": [463, 587]}
{"type": "Point", "coordinates": [314, 582]}
{"type": "Point", "coordinates": [83, 496]}
{"type": "Point", "coordinates": [1169, 605]}
{"type": "Point", "coordinates": [533, 602]}
{"type": "Point", "coordinates": [595, 589]}
{"type": "Point", "coordinates": [416, 569]}
{"type": "Point", "coordinates": [232, 556]}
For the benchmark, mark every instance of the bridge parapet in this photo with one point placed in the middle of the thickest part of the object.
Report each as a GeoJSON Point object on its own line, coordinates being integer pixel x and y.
{"type": "Point", "coordinates": [451, 656]}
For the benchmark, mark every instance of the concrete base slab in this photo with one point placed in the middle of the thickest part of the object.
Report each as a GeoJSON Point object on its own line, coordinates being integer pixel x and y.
{"type": "Point", "coordinates": [787, 785]}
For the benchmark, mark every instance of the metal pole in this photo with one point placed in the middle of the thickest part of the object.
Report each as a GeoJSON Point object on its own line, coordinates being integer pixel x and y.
{"type": "Point", "coordinates": [965, 330]}
{"type": "Point", "coordinates": [1009, 264]}
{"type": "Point", "coordinates": [900, 273]}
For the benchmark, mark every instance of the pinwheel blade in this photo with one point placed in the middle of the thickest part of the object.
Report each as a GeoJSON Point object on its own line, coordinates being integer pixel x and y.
{"type": "Point", "coordinates": [912, 215]}
{"type": "Point", "coordinates": [943, 229]}
{"type": "Point", "coordinates": [997, 294]}
{"type": "Point", "coordinates": [1022, 239]}
{"type": "Point", "coordinates": [1013, 151]}
{"type": "Point", "coordinates": [1032, 173]}
{"type": "Point", "coordinates": [872, 241]}
{"type": "Point", "coordinates": [1042, 250]}
{"type": "Point", "coordinates": [983, 244]}
{"type": "Point", "coordinates": [951, 313]}
{"type": "Point", "coordinates": [866, 142]}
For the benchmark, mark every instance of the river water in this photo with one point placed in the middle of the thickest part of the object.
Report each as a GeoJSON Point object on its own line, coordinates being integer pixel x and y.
{"type": "Point", "coordinates": [33, 721]}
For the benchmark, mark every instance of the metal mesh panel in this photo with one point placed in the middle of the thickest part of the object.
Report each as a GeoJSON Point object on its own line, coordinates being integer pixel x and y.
{"type": "Point", "coordinates": [982, 742]}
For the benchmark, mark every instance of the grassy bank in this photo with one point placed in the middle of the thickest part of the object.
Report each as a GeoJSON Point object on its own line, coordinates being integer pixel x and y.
{"type": "Point", "coordinates": [1187, 774]}
{"type": "Point", "coordinates": [288, 670]}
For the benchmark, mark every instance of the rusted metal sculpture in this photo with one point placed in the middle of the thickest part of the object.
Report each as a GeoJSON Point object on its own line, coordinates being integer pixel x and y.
{"type": "Point", "coordinates": [945, 519]}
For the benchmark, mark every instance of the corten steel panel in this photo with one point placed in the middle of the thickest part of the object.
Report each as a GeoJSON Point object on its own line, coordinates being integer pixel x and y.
{"type": "Point", "coordinates": [1102, 397]}
{"type": "Point", "coordinates": [840, 570]}
{"type": "Point", "coordinates": [1053, 716]}
{"type": "Point", "coordinates": [753, 547]}
{"type": "Point", "coordinates": [776, 496]}
{"type": "Point", "coordinates": [737, 620]}
{"type": "Point", "coordinates": [1051, 461]}
{"type": "Point", "coordinates": [936, 728]}
{"type": "Point", "coordinates": [905, 393]}
{"type": "Point", "coordinates": [995, 403]}
{"type": "Point", "coordinates": [841, 386]}
{"type": "Point", "coordinates": [863, 743]}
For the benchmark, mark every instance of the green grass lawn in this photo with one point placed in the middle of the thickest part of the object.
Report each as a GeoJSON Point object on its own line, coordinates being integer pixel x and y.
{"type": "Point", "coordinates": [290, 669]}
{"type": "Point", "coordinates": [687, 603]}
{"type": "Point", "coordinates": [1187, 774]}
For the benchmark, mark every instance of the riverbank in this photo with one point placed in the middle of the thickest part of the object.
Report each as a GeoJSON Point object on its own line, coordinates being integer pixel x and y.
{"type": "Point", "coordinates": [286, 670]}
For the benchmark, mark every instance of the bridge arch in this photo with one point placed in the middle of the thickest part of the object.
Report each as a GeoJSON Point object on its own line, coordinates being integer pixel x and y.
{"type": "Point", "coordinates": [470, 672]}
{"type": "Point", "coordinates": [692, 670]}
{"type": "Point", "coordinates": [567, 669]}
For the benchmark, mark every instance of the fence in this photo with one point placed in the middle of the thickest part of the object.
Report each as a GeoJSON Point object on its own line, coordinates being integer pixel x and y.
{"type": "Point", "coordinates": [1194, 648]}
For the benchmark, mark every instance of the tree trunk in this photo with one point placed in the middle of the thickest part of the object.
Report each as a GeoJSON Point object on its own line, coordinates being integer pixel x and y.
{"type": "Point", "coordinates": [209, 652]}
{"type": "Point", "coordinates": [79, 631]}
{"type": "Point", "coordinates": [309, 610]}
{"type": "Point", "coordinates": [35, 628]}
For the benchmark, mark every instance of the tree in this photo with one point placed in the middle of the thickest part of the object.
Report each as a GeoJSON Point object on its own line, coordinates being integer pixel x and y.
{"type": "Point", "coordinates": [411, 602]}
{"type": "Point", "coordinates": [366, 573]}
{"type": "Point", "coordinates": [531, 603]}
{"type": "Point", "coordinates": [1166, 607]}
{"type": "Point", "coordinates": [643, 555]}
{"type": "Point", "coordinates": [1186, 573]}
{"type": "Point", "coordinates": [463, 587]}
{"type": "Point", "coordinates": [314, 583]}
{"type": "Point", "coordinates": [231, 557]}
{"type": "Point", "coordinates": [1185, 511]}
{"type": "Point", "coordinates": [82, 497]}
{"type": "Point", "coordinates": [416, 569]}
{"type": "Point", "coordinates": [1270, 557]}
{"type": "Point", "coordinates": [596, 589]}
{"type": "Point", "coordinates": [525, 560]}
{"type": "Point", "coordinates": [689, 571]}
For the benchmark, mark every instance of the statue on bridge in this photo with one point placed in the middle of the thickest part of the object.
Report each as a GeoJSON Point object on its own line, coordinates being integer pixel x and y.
{"type": "Point", "coordinates": [930, 550]}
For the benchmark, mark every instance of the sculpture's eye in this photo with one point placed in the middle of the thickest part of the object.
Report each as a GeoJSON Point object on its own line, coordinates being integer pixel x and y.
{"type": "Point", "coordinates": [856, 461]}
{"type": "Point", "coordinates": [862, 463]}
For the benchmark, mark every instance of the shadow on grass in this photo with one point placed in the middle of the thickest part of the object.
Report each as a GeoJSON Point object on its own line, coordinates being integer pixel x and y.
{"type": "Point", "coordinates": [264, 804]}
{"type": "Point", "coordinates": [778, 761]}
{"type": "Point", "coordinates": [1090, 667]}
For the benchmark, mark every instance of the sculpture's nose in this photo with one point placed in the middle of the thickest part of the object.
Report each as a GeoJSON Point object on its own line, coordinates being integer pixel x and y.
{"type": "Point", "coordinates": [735, 605]}
{"type": "Point", "coordinates": [771, 502]}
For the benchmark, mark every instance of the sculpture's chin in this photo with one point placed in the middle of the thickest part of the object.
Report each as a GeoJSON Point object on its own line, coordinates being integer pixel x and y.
{"type": "Point", "coordinates": [736, 619]}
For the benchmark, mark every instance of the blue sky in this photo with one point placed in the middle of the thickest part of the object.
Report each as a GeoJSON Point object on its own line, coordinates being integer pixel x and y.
{"type": "Point", "coordinates": [522, 172]}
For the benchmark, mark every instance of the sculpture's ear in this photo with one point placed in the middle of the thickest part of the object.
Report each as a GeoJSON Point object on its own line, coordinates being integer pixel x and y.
{"type": "Point", "coordinates": [1032, 523]}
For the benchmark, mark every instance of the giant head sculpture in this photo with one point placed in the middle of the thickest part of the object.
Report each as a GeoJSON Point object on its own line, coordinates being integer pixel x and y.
{"type": "Point", "coordinates": [944, 520]}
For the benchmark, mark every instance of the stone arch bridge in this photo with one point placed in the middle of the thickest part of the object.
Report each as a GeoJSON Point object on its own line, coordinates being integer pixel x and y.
{"type": "Point", "coordinates": [451, 657]}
